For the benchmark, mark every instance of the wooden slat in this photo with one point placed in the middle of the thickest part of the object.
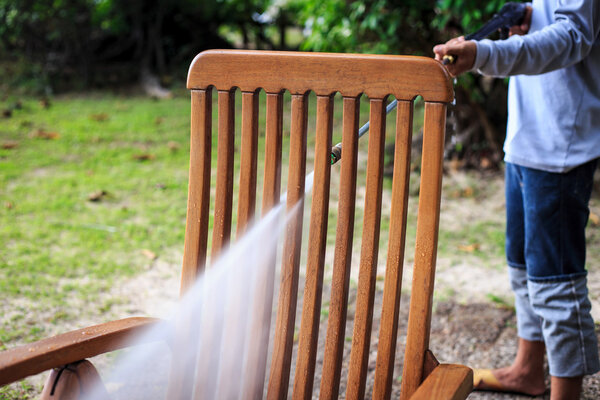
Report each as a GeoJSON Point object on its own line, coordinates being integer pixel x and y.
{"type": "Point", "coordinates": [182, 373]}
{"type": "Point", "coordinates": [196, 232]}
{"type": "Point", "coordinates": [237, 302]}
{"type": "Point", "coordinates": [336, 325]}
{"type": "Point", "coordinates": [419, 318]}
{"type": "Point", "coordinates": [446, 382]}
{"type": "Point", "coordinates": [288, 289]}
{"type": "Point", "coordinates": [224, 185]}
{"type": "Point", "coordinates": [273, 138]}
{"type": "Point", "coordinates": [363, 318]}
{"type": "Point", "coordinates": [211, 320]}
{"type": "Point", "coordinates": [248, 156]}
{"type": "Point", "coordinates": [181, 378]}
{"type": "Point", "coordinates": [374, 75]}
{"type": "Point", "coordinates": [33, 358]}
{"type": "Point", "coordinates": [256, 364]}
{"type": "Point", "coordinates": [313, 286]}
{"type": "Point", "coordinates": [258, 340]}
{"type": "Point", "coordinates": [390, 310]}
{"type": "Point", "coordinates": [232, 350]}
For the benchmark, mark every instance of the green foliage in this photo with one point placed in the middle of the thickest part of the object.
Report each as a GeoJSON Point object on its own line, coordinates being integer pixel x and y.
{"type": "Point", "coordinates": [365, 26]}
{"type": "Point", "coordinates": [466, 14]}
{"type": "Point", "coordinates": [379, 26]}
{"type": "Point", "coordinates": [83, 43]}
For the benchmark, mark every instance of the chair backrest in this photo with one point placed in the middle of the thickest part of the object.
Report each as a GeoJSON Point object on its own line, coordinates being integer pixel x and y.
{"type": "Point", "coordinates": [352, 76]}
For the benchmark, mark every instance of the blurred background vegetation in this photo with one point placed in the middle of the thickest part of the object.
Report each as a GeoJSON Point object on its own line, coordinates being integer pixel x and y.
{"type": "Point", "coordinates": [54, 46]}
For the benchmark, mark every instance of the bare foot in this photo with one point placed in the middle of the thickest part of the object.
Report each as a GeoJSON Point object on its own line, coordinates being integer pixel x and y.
{"type": "Point", "coordinates": [518, 380]}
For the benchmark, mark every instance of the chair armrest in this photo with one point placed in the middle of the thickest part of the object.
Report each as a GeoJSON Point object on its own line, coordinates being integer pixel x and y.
{"type": "Point", "coordinates": [446, 382]}
{"type": "Point", "coordinates": [33, 358]}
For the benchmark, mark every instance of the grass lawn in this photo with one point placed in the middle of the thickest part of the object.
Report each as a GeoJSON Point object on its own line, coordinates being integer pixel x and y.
{"type": "Point", "coordinates": [91, 188]}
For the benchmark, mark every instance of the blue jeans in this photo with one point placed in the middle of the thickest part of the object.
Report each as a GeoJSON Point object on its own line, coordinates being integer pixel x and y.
{"type": "Point", "coordinates": [545, 247]}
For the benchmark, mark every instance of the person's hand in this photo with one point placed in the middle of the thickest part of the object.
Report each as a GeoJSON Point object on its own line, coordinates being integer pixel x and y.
{"type": "Point", "coordinates": [463, 51]}
{"type": "Point", "coordinates": [525, 25]}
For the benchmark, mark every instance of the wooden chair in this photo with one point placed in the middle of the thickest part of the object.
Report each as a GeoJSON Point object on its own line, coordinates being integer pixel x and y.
{"type": "Point", "coordinates": [325, 75]}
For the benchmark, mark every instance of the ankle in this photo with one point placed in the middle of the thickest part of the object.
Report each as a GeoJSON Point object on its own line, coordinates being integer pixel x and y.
{"type": "Point", "coordinates": [565, 388]}
{"type": "Point", "coordinates": [529, 370]}
{"type": "Point", "coordinates": [530, 358]}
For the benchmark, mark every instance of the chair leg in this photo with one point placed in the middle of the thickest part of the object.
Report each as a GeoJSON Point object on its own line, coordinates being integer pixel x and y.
{"type": "Point", "coordinates": [73, 381]}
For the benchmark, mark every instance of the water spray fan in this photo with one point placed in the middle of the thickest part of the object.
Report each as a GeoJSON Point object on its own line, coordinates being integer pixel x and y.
{"type": "Point", "coordinates": [510, 14]}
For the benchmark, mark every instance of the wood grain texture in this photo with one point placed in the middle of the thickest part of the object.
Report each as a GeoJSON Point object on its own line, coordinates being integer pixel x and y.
{"type": "Point", "coordinates": [390, 309]}
{"type": "Point", "coordinates": [446, 382]}
{"type": "Point", "coordinates": [338, 306]}
{"type": "Point", "coordinates": [429, 364]}
{"type": "Point", "coordinates": [248, 161]}
{"type": "Point", "coordinates": [363, 317]}
{"type": "Point", "coordinates": [33, 358]}
{"type": "Point", "coordinates": [419, 317]}
{"type": "Point", "coordinates": [288, 288]}
{"type": "Point", "coordinates": [273, 139]}
{"type": "Point", "coordinates": [196, 227]}
{"type": "Point", "coordinates": [325, 73]}
{"type": "Point", "coordinates": [256, 365]}
{"type": "Point", "coordinates": [313, 286]}
{"type": "Point", "coordinates": [224, 185]}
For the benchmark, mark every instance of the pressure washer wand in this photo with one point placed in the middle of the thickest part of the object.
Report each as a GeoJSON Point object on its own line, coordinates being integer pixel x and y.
{"type": "Point", "coordinates": [336, 151]}
{"type": "Point", "coordinates": [510, 14]}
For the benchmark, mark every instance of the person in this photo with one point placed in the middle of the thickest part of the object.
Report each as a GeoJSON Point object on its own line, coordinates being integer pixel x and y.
{"type": "Point", "coordinates": [551, 148]}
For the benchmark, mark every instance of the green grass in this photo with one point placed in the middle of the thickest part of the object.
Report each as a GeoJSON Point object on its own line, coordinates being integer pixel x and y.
{"type": "Point", "coordinates": [484, 239]}
{"type": "Point", "coordinates": [59, 246]}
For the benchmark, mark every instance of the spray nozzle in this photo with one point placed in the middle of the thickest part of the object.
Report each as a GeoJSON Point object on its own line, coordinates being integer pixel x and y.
{"type": "Point", "coordinates": [336, 153]}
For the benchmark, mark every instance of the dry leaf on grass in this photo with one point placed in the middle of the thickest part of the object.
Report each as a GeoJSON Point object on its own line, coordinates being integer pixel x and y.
{"type": "Point", "coordinates": [42, 134]}
{"type": "Point", "coordinates": [143, 157]}
{"type": "Point", "coordinates": [97, 195]}
{"type": "Point", "coordinates": [149, 254]}
{"type": "Point", "coordinates": [10, 145]}
{"type": "Point", "coordinates": [173, 146]}
{"type": "Point", "coordinates": [100, 117]}
{"type": "Point", "coordinates": [469, 248]}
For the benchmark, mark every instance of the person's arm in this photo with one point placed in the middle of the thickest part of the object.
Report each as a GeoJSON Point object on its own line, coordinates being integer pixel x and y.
{"type": "Point", "coordinates": [565, 42]}
{"type": "Point", "coordinates": [465, 52]}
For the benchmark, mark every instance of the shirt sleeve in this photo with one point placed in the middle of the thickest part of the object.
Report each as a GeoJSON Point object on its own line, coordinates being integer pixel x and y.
{"type": "Point", "coordinates": [564, 42]}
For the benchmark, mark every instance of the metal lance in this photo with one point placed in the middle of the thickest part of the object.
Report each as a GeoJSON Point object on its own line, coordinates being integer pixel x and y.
{"type": "Point", "coordinates": [336, 151]}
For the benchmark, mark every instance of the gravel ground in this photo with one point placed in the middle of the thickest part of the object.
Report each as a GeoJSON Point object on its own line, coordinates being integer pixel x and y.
{"type": "Point", "coordinates": [476, 334]}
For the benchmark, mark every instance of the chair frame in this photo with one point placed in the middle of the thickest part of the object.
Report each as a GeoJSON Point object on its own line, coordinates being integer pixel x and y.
{"type": "Point", "coordinates": [376, 76]}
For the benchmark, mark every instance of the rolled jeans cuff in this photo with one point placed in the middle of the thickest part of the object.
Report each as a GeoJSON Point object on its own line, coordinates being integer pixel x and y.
{"type": "Point", "coordinates": [567, 326]}
{"type": "Point", "coordinates": [529, 325]}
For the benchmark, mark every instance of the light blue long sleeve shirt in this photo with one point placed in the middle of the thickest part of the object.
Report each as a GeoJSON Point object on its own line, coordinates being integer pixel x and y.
{"type": "Point", "coordinates": [554, 91]}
